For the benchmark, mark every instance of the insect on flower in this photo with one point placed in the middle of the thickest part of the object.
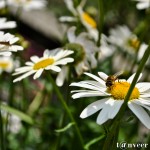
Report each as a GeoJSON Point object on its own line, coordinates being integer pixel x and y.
{"type": "Point", "coordinates": [112, 78]}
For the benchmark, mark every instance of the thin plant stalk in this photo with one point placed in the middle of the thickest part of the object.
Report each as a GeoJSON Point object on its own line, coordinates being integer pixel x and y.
{"type": "Point", "coordinates": [66, 109]}
{"type": "Point", "coordinates": [62, 121]}
{"type": "Point", "coordinates": [101, 21]}
{"type": "Point", "coordinates": [2, 146]}
{"type": "Point", "coordinates": [127, 97]}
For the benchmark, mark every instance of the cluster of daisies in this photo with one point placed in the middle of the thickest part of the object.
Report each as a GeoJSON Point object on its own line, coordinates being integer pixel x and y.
{"type": "Point", "coordinates": [81, 54]}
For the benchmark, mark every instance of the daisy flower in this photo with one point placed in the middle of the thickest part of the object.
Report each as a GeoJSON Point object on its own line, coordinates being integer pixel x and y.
{"type": "Point", "coordinates": [2, 4]}
{"type": "Point", "coordinates": [25, 4]}
{"type": "Point", "coordinates": [7, 44]}
{"type": "Point", "coordinates": [6, 24]}
{"type": "Point", "coordinates": [114, 97]}
{"type": "Point", "coordinates": [143, 4]}
{"type": "Point", "coordinates": [6, 64]}
{"type": "Point", "coordinates": [14, 122]}
{"type": "Point", "coordinates": [49, 61]}
{"type": "Point", "coordinates": [80, 15]}
{"type": "Point", "coordinates": [106, 50]}
{"type": "Point", "coordinates": [123, 38]}
{"type": "Point", "coordinates": [84, 54]}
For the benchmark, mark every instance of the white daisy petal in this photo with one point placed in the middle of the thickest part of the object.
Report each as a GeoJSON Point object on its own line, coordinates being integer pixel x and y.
{"type": "Point", "coordinates": [103, 115]}
{"type": "Point", "coordinates": [61, 76]}
{"type": "Point", "coordinates": [21, 71]}
{"type": "Point", "coordinates": [114, 109]}
{"type": "Point", "coordinates": [89, 94]}
{"type": "Point", "coordinates": [103, 75]}
{"type": "Point", "coordinates": [95, 77]}
{"type": "Point", "coordinates": [23, 68]}
{"type": "Point", "coordinates": [67, 19]}
{"type": "Point", "coordinates": [143, 5]}
{"type": "Point", "coordinates": [87, 86]}
{"type": "Point", "coordinates": [64, 61]}
{"type": "Point", "coordinates": [46, 53]}
{"type": "Point", "coordinates": [62, 53]}
{"type": "Point", "coordinates": [29, 63]}
{"type": "Point", "coordinates": [24, 76]}
{"type": "Point", "coordinates": [54, 68]}
{"type": "Point", "coordinates": [27, 5]}
{"type": "Point", "coordinates": [5, 53]}
{"type": "Point", "coordinates": [35, 59]}
{"type": "Point", "coordinates": [92, 108]}
{"type": "Point", "coordinates": [144, 101]}
{"type": "Point", "coordinates": [38, 74]}
{"type": "Point", "coordinates": [132, 77]}
{"type": "Point", "coordinates": [140, 113]}
{"type": "Point", "coordinates": [94, 83]}
{"type": "Point", "coordinates": [71, 34]}
{"type": "Point", "coordinates": [143, 86]}
{"type": "Point", "coordinates": [145, 95]}
{"type": "Point", "coordinates": [141, 104]}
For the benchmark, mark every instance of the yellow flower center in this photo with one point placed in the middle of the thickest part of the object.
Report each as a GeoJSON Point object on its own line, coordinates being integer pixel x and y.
{"type": "Point", "coordinates": [89, 20]}
{"type": "Point", "coordinates": [43, 63]}
{"type": "Point", "coordinates": [119, 90]}
{"type": "Point", "coordinates": [4, 65]}
{"type": "Point", "coordinates": [134, 43]}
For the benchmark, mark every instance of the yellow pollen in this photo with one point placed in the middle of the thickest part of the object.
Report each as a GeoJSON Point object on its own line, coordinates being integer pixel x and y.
{"type": "Point", "coordinates": [119, 90]}
{"type": "Point", "coordinates": [4, 65]}
{"type": "Point", "coordinates": [134, 43]}
{"type": "Point", "coordinates": [89, 20]}
{"type": "Point", "coordinates": [43, 63]}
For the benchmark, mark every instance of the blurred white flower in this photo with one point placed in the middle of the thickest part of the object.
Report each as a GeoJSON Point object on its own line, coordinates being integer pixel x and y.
{"type": "Point", "coordinates": [7, 44]}
{"type": "Point", "coordinates": [2, 3]}
{"type": "Point", "coordinates": [6, 24]}
{"type": "Point", "coordinates": [106, 50]}
{"type": "Point", "coordinates": [142, 4]}
{"type": "Point", "coordinates": [79, 14]}
{"type": "Point", "coordinates": [114, 96]}
{"type": "Point", "coordinates": [6, 64]}
{"type": "Point", "coordinates": [84, 52]}
{"type": "Point", "coordinates": [25, 4]}
{"type": "Point", "coordinates": [49, 61]}
{"type": "Point", "coordinates": [123, 38]}
{"type": "Point", "coordinates": [14, 124]}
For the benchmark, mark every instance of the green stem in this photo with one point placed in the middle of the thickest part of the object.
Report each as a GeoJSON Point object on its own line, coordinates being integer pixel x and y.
{"type": "Point", "coordinates": [76, 3]}
{"type": "Point", "coordinates": [10, 103]}
{"type": "Point", "coordinates": [109, 140]}
{"type": "Point", "coordinates": [101, 21]}
{"type": "Point", "coordinates": [2, 147]}
{"type": "Point", "coordinates": [93, 141]}
{"type": "Point", "coordinates": [139, 70]}
{"type": "Point", "coordinates": [66, 108]}
{"type": "Point", "coordinates": [115, 138]}
{"type": "Point", "coordinates": [127, 97]}
{"type": "Point", "coordinates": [62, 121]}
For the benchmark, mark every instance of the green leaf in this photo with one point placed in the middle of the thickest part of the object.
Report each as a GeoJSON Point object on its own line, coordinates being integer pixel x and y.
{"type": "Point", "coordinates": [65, 128]}
{"type": "Point", "coordinates": [18, 113]}
{"type": "Point", "coordinates": [93, 141]}
{"type": "Point", "coordinates": [34, 106]}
